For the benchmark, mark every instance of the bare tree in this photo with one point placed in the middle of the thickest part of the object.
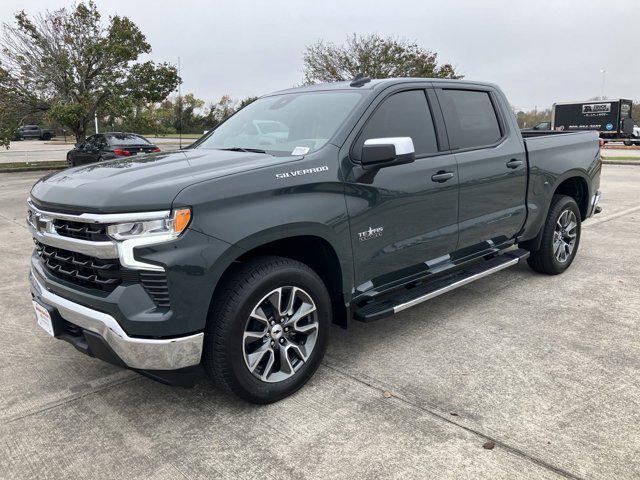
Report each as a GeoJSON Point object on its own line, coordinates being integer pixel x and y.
{"type": "Point", "coordinates": [373, 56]}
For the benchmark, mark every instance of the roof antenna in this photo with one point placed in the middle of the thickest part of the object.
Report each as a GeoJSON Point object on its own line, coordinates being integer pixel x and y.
{"type": "Point", "coordinates": [359, 80]}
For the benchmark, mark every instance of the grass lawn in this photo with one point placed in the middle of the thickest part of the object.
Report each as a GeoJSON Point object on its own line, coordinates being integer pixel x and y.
{"type": "Point", "coordinates": [622, 159]}
{"type": "Point", "coordinates": [23, 166]}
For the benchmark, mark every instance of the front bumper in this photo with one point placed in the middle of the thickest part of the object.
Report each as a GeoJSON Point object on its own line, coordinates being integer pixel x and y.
{"type": "Point", "coordinates": [135, 353]}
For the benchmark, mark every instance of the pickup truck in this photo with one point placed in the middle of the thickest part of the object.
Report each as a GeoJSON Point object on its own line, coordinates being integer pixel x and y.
{"type": "Point", "coordinates": [237, 254]}
{"type": "Point", "coordinates": [34, 131]}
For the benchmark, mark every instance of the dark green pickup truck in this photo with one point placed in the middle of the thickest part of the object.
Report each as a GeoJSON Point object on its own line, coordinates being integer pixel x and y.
{"type": "Point", "coordinates": [311, 206]}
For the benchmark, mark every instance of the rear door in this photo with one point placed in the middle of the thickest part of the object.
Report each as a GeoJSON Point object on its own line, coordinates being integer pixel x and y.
{"type": "Point", "coordinates": [491, 164]}
{"type": "Point", "coordinates": [402, 221]}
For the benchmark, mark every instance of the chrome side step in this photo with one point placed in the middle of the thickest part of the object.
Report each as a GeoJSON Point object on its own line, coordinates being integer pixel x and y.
{"type": "Point", "coordinates": [408, 298]}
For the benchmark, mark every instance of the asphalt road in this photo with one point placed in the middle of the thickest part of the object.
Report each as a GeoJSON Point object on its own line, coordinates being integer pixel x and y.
{"type": "Point", "coordinates": [546, 368]}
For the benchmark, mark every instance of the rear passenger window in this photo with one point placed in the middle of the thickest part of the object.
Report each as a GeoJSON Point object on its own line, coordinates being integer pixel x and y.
{"type": "Point", "coordinates": [470, 117]}
{"type": "Point", "coordinates": [404, 114]}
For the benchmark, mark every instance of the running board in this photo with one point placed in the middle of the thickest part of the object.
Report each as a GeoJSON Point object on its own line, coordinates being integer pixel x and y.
{"type": "Point", "coordinates": [408, 298]}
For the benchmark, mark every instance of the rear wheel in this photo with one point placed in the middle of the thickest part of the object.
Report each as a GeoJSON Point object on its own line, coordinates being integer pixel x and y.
{"type": "Point", "coordinates": [560, 237]}
{"type": "Point", "coordinates": [46, 136]}
{"type": "Point", "coordinates": [268, 327]}
{"type": "Point", "coordinates": [628, 143]}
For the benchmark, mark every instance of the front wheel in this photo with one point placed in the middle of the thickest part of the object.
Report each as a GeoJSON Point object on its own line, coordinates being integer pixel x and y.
{"type": "Point", "coordinates": [560, 237]}
{"type": "Point", "coordinates": [267, 330]}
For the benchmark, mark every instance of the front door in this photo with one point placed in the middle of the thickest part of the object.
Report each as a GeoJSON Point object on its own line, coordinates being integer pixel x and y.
{"type": "Point", "coordinates": [403, 218]}
{"type": "Point", "coordinates": [492, 167]}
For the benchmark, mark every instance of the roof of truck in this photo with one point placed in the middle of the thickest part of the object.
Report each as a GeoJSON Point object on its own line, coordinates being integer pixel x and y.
{"type": "Point", "coordinates": [374, 84]}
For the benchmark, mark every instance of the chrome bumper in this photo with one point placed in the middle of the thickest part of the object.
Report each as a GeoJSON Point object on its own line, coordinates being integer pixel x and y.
{"type": "Point", "coordinates": [138, 353]}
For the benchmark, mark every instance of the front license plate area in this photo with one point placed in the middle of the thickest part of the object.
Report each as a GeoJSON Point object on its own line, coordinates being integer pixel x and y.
{"type": "Point", "coordinates": [43, 317]}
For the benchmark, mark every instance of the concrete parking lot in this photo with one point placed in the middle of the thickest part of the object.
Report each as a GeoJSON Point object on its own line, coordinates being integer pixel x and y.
{"type": "Point", "coordinates": [545, 368]}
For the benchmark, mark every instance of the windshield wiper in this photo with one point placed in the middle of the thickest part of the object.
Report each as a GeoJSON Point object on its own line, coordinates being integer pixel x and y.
{"type": "Point", "coordinates": [242, 149]}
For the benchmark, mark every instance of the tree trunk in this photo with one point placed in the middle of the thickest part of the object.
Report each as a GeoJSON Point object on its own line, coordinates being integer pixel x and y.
{"type": "Point", "coordinates": [80, 131]}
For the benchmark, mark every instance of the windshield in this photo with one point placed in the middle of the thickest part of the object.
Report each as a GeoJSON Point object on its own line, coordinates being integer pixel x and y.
{"type": "Point", "coordinates": [289, 124]}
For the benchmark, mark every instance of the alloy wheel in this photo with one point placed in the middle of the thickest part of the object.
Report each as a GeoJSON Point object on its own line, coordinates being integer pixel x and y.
{"type": "Point", "coordinates": [280, 334]}
{"type": "Point", "coordinates": [565, 236]}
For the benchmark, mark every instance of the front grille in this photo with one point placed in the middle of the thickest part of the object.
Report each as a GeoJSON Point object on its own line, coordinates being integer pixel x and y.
{"type": "Point", "coordinates": [80, 269]}
{"type": "Point", "coordinates": [103, 275]}
{"type": "Point", "coordinates": [85, 231]}
{"type": "Point", "coordinates": [155, 283]}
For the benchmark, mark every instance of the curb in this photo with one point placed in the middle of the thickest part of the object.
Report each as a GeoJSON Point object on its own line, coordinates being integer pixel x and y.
{"type": "Point", "coordinates": [32, 169]}
{"type": "Point", "coordinates": [621, 162]}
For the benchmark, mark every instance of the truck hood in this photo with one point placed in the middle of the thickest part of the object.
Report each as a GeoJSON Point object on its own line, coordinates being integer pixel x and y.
{"type": "Point", "coordinates": [143, 183]}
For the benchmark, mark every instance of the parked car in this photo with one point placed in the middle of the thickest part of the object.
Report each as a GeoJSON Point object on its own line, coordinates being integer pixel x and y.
{"type": "Point", "coordinates": [542, 126]}
{"type": "Point", "coordinates": [26, 132]}
{"type": "Point", "coordinates": [106, 146]}
{"type": "Point", "coordinates": [237, 253]}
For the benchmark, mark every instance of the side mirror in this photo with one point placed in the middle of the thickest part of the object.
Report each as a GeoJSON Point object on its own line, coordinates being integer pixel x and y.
{"type": "Point", "coordinates": [386, 152]}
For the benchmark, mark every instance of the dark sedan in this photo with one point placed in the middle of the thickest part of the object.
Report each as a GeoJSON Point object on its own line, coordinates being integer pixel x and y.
{"type": "Point", "coordinates": [105, 146]}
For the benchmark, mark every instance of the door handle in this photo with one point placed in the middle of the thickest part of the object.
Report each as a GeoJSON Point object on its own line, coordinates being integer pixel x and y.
{"type": "Point", "coordinates": [442, 177]}
{"type": "Point", "coordinates": [514, 163]}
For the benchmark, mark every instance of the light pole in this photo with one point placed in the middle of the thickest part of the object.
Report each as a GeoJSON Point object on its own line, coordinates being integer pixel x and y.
{"type": "Point", "coordinates": [604, 78]}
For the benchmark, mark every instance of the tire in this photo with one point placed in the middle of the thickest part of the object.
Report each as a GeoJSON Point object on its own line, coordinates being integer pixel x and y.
{"type": "Point", "coordinates": [628, 143]}
{"type": "Point", "coordinates": [240, 333]}
{"type": "Point", "coordinates": [70, 161]}
{"type": "Point", "coordinates": [46, 136]}
{"type": "Point", "coordinates": [549, 258]}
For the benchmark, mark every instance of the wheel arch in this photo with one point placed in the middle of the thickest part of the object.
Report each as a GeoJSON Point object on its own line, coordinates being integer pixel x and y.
{"type": "Point", "coordinates": [310, 248]}
{"type": "Point", "coordinates": [574, 184]}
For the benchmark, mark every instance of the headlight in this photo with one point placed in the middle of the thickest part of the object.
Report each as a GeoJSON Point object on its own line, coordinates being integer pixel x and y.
{"type": "Point", "coordinates": [171, 226]}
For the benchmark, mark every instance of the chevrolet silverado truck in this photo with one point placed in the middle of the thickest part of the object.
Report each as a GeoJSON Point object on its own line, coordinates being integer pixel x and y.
{"type": "Point", "coordinates": [238, 253]}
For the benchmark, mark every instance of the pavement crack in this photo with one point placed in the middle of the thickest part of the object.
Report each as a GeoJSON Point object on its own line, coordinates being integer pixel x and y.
{"type": "Point", "coordinates": [69, 399]}
{"type": "Point", "coordinates": [513, 450]}
{"type": "Point", "coordinates": [596, 221]}
{"type": "Point", "coordinates": [15, 222]}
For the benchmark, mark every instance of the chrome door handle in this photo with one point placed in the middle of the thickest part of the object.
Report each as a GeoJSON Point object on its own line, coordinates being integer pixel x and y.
{"type": "Point", "coordinates": [442, 177]}
{"type": "Point", "coordinates": [514, 163]}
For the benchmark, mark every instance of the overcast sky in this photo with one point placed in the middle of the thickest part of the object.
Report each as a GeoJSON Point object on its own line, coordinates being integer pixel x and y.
{"type": "Point", "coordinates": [539, 51]}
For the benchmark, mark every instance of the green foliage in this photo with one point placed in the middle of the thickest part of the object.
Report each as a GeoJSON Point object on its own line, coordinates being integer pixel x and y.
{"type": "Point", "coordinates": [375, 57]}
{"type": "Point", "coordinates": [72, 64]}
{"type": "Point", "coordinates": [533, 117]}
{"type": "Point", "coordinates": [173, 115]}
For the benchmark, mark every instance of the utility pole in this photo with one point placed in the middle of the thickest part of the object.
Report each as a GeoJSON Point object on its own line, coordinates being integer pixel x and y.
{"type": "Point", "coordinates": [604, 79]}
{"type": "Point", "coordinates": [95, 120]}
{"type": "Point", "coordinates": [179, 107]}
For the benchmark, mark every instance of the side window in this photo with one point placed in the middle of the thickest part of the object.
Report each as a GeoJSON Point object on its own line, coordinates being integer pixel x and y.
{"type": "Point", "coordinates": [470, 117]}
{"type": "Point", "coordinates": [404, 114]}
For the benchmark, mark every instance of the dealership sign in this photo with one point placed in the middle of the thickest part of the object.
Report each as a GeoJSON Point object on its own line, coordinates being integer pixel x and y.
{"type": "Point", "coordinates": [596, 108]}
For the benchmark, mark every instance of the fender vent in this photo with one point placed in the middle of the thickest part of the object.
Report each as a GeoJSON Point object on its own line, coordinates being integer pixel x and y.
{"type": "Point", "coordinates": [155, 283]}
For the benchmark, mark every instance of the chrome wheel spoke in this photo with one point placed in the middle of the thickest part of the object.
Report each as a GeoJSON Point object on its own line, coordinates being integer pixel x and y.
{"type": "Point", "coordinates": [275, 299]}
{"type": "Point", "coordinates": [300, 351]}
{"type": "Point", "coordinates": [254, 359]}
{"type": "Point", "coordinates": [285, 363]}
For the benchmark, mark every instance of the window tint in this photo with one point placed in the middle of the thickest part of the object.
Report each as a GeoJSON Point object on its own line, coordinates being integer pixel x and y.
{"type": "Point", "coordinates": [404, 114]}
{"type": "Point", "coordinates": [470, 117]}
